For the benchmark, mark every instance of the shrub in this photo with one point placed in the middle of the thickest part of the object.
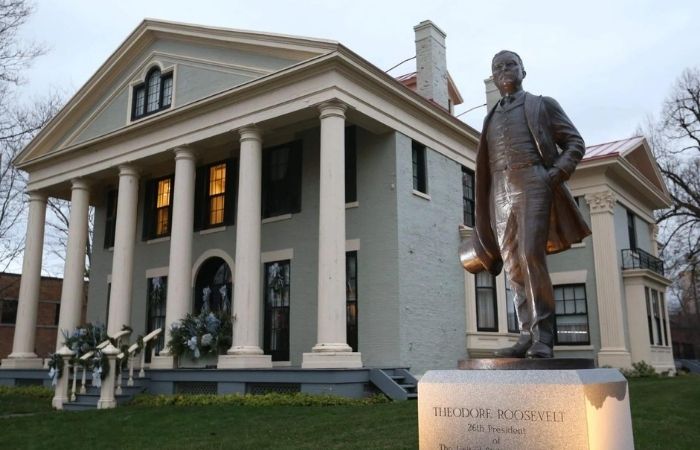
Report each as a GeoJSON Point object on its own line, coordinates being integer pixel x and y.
{"type": "Point", "coordinates": [27, 391]}
{"type": "Point", "coordinates": [640, 369]}
{"type": "Point", "coordinates": [270, 399]}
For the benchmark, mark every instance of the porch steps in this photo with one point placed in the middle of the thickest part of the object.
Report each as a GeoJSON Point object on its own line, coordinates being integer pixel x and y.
{"type": "Point", "coordinates": [395, 383]}
{"type": "Point", "coordinates": [88, 401]}
{"type": "Point", "coordinates": [692, 365]}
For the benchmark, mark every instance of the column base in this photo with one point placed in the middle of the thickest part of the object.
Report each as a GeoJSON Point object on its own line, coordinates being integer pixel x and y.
{"type": "Point", "coordinates": [332, 360]}
{"type": "Point", "coordinates": [57, 402]}
{"type": "Point", "coordinates": [613, 357]}
{"type": "Point", "coordinates": [23, 362]}
{"type": "Point", "coordinates": [244, 362]}
{"type": "Point", "coordinates": [106, 404]}
{"type": "Point", "coordinates": [163, 362]}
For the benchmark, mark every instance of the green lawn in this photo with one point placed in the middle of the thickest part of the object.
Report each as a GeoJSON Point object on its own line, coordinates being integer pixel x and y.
{"type": "Point", "coordinates": [666, 414]}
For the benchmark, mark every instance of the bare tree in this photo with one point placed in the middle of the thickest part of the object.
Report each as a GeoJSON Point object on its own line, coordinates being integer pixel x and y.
{"type": "Point", "coordinates": [19, 123]}
{"type": "Point", "coordinates": [675, 139]}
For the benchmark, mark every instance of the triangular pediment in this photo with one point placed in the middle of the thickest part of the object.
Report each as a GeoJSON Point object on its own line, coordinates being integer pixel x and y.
{"type": "Point", "coordinates": [642, 159]}
{"type": "Point", "coordinates": [204, 61]}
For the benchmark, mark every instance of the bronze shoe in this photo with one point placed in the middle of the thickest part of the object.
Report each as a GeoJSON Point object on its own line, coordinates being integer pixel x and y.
{"type": "Point", "coordinates": [516, 351]}
{"type": "Point", "coordinates": [540, 350]}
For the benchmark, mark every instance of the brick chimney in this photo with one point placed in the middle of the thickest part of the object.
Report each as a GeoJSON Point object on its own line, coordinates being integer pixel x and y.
{"type": "Point", "coordinates": [431, 63]}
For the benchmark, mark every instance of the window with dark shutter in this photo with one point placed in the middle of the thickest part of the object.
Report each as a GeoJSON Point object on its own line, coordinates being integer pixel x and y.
{"type": "Point", "coordinates": [110, 217]}
{"type": "Point", "coordinates": [215, 194]}
{"type": "Point", "coordinates": [351, 164]}
{"type": "Point", "coordinates": [468, 196]}
{"type": "Point", "coordinates": [157, 216]}
{"type": "Point", "coordinates": [281, 189]}
{"type": "Point", "coordinates": [420, 175]}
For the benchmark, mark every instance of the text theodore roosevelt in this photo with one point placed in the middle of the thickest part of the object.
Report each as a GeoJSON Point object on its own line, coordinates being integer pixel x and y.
{"type": "Point", "coordinates": [525, 415]}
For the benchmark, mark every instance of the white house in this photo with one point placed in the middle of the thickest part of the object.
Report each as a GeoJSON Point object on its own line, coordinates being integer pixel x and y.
{"type": "Point", "coordinates": [320, 199]}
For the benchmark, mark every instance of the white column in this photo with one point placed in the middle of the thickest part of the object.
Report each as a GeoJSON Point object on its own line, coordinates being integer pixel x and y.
{"type": "Point", "coordinates": [180, 264]}
{"type": "Point", "coordinates": [72, 290]}
{"type": "Point", "coordinates": [613, 351]}
{"type": "Point", "coordinates": [123, 257]}
{"type": "Point", "coordinates": [332, 350]}
{"type": "Point", "coordinates": [23, 356]}
{"type": "Point", "coordinates": [245, 351]}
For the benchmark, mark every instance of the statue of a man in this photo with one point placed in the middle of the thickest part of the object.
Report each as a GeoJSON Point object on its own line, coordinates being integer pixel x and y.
{"type": "Point", "coordinates": [523, 211]}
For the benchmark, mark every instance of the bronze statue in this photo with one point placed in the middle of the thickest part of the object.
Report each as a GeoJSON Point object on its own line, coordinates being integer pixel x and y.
{"type": "Point", "coordinates": [523, 211]}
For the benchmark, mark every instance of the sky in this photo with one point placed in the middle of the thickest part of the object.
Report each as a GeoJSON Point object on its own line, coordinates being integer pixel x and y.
{"type": "Point", "coordinates": [610, 64]}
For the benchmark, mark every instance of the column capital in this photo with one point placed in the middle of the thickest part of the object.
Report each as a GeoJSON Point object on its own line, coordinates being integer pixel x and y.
{"type": "Point", "coordinates": [184, 152]}
{"type": "Point", "coordinates": [128, 170]}
{"type": "Point", "coordinates": [332, 108]}
{"type": "Point", "coordinates": [601, 202]}
{"type": "Point", "coordinates": [37, 196]}
{"type": "Point", "coordinates": [250, 133]}
{"type": "Point", "coordinates": [80, 184]}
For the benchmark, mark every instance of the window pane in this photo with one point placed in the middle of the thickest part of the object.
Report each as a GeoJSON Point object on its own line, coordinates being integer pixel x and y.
{"type": "Point", "coordinates": [572, 329]}
{"type": "Point", "coordinates": [569, 293]}
{"type": "Point", "coordinates": [167, 91]}
{"type": "Point", "coordinates": [153, 87]}
{"type": "Point", "coordinates": [559, 308]}
{"type": "Point", "coordinates": [162, 221]}
{"type": "Point", "coordinates": [217, 179]}
{"type": "Point", "coordinates": [579, 292]}
{"type": "Point", "coordinates": [569, 307]}
{"type": "Point", "coordinates": [279, 163]}
{"type": "Point", "coordinates": [580, 306]}
{"type": "Point", "coordinates": [216, 210]}
{"type": "Point", "coordinates": [139, 101]}
{"type": "Point", "coordinates": [487, 312]}
{"type": "Point", "coordinates": [163, 198]}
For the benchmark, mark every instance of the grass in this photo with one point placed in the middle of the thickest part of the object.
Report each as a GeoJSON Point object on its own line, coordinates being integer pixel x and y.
{"type": "Point", "coordinates": [665, 414]}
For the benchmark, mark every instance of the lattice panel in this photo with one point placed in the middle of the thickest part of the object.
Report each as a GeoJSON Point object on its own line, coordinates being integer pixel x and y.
{"type": "Point", "coordinates": [266, 388]}
{"type": "Point", "coordinates": [195, 387]}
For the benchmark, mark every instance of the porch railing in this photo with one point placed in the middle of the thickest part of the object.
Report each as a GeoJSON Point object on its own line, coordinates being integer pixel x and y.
{"type": "Point", "coordinates": [639, 259]}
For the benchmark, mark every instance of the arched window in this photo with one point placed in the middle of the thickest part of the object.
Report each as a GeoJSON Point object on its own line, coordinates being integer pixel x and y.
{"type": "Point", "coordinates": [213, 286]}
{"type": "Point", "coordinates": [153, 95]}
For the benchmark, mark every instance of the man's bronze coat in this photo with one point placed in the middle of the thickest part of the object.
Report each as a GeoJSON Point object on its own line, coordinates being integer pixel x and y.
{"type": "Point", "coordinates": [549, 127]}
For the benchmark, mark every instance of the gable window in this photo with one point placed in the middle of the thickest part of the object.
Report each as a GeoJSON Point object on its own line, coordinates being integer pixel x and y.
{"type": "Point", "coordinates": [153, 95]}
{"type": "Point", "coordinates": [157, 208]}
{"type": "Point", "coordinates": [486, 309]}
{"type": "Point", "coordinates": [420, 176]}
{"type": "Point", "coordinates": [110, 218]}
{"type": "Point", "coordinates": [281, 174]}
{"type": "Point", "coordinates": [468, 196]}
{"type": "Point", "coordinates": [571, 320]}
{"type": "Point", "coordinates": [351, 164]}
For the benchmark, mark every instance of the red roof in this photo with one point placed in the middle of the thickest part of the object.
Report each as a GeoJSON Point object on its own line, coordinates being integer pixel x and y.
{"type": "Point", "coordinates": [611, 149]}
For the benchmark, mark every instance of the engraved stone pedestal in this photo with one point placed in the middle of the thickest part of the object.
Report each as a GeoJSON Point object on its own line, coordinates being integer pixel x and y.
{"type": "Point", "coordinates": [524, 409]}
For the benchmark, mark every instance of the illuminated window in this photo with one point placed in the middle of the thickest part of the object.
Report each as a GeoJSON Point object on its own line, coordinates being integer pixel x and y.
{"type": "Point", "coordinates": [571, 322]}
{"type": "Point", "coordinates": [163, 207]}
{"type": "Point", "coordinates": [217, 193]}
{"type": "Point", "coordinates": [157, 208]}
{"type": "Point", "coordinates": [153, 95]}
